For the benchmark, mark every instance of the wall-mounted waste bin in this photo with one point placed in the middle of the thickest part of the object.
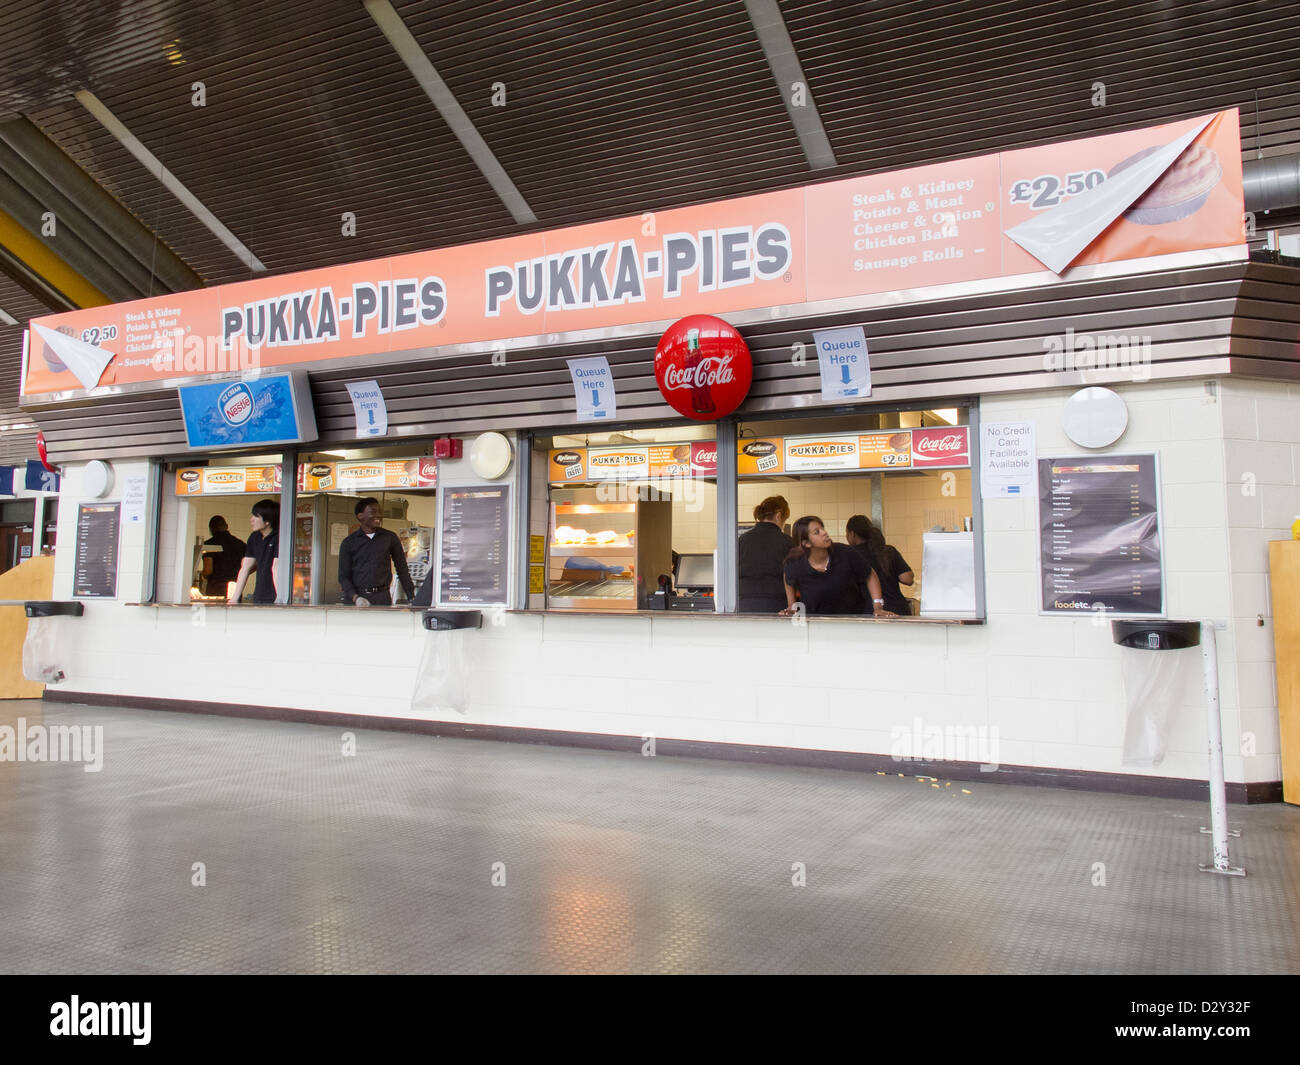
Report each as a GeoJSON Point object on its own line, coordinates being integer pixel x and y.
{"type": "Point", "coordinates": [1155, 685]}
{"type": "Point", "coordinates": [43, 651]}
{"type": "Point", "coordinates": [442, 683]}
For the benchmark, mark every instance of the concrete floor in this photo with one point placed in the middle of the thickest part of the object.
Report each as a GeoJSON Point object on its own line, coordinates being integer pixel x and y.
{"type": "Point", "coordinates": [384, 862]}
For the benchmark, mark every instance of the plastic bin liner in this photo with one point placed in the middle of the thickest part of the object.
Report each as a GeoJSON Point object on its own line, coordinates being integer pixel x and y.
{"type": "Point", "coordinates": [442, 683]}
{"type": "Point", "coordinates": [1156, 684]}
{"type": "Point", "coordinates": [41, 653]}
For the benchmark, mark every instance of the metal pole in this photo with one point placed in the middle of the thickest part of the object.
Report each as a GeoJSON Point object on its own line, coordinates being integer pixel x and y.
{"type": "Point", "coordinates": [1218, 797]}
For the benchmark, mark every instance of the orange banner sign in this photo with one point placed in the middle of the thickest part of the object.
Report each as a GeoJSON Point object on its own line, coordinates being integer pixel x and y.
{"type": "Point", "coordinates": [907, 230]}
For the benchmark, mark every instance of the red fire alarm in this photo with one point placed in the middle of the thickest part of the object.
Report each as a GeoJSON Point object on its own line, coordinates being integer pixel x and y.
{"type": "Point", "coordinates": [450, 447]}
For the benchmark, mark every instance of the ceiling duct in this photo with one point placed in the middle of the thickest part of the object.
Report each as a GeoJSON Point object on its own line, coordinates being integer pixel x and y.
{"type": "Point", "coordinates": [1271, 184]}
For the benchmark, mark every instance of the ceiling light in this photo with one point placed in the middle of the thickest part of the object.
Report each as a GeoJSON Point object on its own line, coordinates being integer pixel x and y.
{"type": "Point", "coordinates": [774, 38]}
{"type": "Point", "coordinates": [153, 164]}
{"type": "Point", "coordinates": [409, 51]}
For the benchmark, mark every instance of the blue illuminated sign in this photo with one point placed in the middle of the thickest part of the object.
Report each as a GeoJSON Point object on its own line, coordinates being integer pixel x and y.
{"type": "Point", "coordinates": [265, 410]}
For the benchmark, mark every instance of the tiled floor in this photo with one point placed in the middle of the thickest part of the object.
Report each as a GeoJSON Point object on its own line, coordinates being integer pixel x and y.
{"type": "Point", "coordinates": [384, 862]}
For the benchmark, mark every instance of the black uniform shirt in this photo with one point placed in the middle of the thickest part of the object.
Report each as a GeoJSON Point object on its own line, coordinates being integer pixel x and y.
{"type": "Point", "coordinates": [225, 566]}
{"type": "Point", "coordinates": [760, 560]}
{"type": "Point", "coordinates": [842, 589]}
{"type": "Point", "coordinates": [264, 550]}
{"type": "Point", "coordinates": [364, 564]}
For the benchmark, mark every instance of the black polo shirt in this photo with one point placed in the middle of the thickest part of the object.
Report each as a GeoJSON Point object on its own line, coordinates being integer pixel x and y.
{"type": "Point", "coordinates": [264, 550]}
{"type": "Point", "coordinates": [761, 560]}
{"type": "Point", "coordinates": [842, 589]}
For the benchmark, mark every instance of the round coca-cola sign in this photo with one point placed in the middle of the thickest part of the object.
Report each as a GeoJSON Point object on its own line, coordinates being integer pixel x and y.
{"type": "Point", "coordinates": [703, 367]}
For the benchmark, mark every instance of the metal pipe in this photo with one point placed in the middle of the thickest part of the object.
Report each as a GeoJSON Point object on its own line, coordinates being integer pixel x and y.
{"type": "Point", "coordinates": [1271, 184]}
{"type": "Point", "coordinates": [1218, 798]}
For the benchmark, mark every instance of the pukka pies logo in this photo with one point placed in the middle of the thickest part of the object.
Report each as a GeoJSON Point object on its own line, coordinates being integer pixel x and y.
{"type": "Point", "coordinates": [236, 404]}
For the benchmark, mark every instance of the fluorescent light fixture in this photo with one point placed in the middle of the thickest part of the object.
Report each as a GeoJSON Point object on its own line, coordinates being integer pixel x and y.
{"type": "Point", "coordinates": [409, 51]}
{"type": "Point", "coordinates": [7, 318]}
{"type": "Point", "coordinates": [153, 164]}
{"type": "Point", "coordinates": [779, 50]}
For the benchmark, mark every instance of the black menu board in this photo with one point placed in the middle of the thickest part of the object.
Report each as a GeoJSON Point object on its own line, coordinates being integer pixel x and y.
{"type": "Point", "coordinates": [96, 570]}
{"type": "Point", "coordinates": [1099, 529]}
{"type": "Point", "coordinates": [475, 533]}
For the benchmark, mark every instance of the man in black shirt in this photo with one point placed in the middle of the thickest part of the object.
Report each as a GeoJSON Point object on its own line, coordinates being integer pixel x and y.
{"type": "Point", "coordinates": [225, 566]}
{"type": "Point", "coordinates": [364, 560]}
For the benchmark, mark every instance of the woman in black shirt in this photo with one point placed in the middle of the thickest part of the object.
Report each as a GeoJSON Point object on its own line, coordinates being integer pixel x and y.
{"type": "Point", "coordinates": [262, 553]}
{"type": "Point", "coordinates": [761, 559]}
{"type": "Point", "coordinates": [829, 578]}
{"type": "Point", "coordinates": [885, 559]}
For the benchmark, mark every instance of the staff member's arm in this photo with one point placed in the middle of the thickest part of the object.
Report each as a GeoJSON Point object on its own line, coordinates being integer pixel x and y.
{"type": "Point", "coordinates": [905, 574]}
{"type": "Point", "coordinates": [345, 575]}
{"type": "Point", "coordinates": [789, 590]}
{"type": "Point", "coordinates": [246, 567]}
{"type": "Point", "coordinates": [399, 564]}
{"type": "Point", "coordinates": [877, 595]}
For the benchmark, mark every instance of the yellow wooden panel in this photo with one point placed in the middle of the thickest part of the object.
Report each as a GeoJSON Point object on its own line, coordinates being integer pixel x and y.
{"type": "Point", "coordinates": [1284, 571]}
{"type": "Point", "coordinates": [33, 579]}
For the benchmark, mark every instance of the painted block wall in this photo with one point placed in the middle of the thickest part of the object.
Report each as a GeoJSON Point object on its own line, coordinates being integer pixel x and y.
{"type": "Point", "coordinates": [1051, 687]}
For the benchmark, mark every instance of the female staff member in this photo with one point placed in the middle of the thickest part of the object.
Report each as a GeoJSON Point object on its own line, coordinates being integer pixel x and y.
{"type": "Point", "coordinates": [761, 559]}
{"type": "Point", "coordinates": [262, 554]}
{"type": "Point", "coordinates": [892, 568]}
{"type": "Point", "coordinates": [830, 578]}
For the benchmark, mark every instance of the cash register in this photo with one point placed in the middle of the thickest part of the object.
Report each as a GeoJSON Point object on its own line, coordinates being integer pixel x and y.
{"type": "Point", "coordinates": [694, 580]}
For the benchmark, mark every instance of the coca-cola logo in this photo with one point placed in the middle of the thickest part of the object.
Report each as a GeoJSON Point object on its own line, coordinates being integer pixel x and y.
{"type": "Point", "coordinates": [941, 447]}
{"type": "Point", "coordinates": [703, 367]}
{"type": "Point", "coordinates": [759, 448]}
{"type": "Point", "coordinates": [704, 458]}
{"type": "Point", "coordinates": [952, 442]}
{"type": "Point", "coordinates": [706, 372]}
{"type": "Point", "coordinates": [566, 458]}
{"type": "Point", "coordinates": [428, 469]}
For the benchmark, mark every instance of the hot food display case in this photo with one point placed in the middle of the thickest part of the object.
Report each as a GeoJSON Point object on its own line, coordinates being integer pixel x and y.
{"type": "Point", "coordinates": [606, 556]}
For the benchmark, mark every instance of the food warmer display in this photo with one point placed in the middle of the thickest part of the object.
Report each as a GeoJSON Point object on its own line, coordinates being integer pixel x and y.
{"type": "Point", "coordinates": [607, 556]}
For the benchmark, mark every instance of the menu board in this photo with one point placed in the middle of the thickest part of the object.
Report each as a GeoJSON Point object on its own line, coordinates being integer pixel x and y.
{"type": "Point", "coordinates": [937, 447]}
{"type": "Point", "coordinates": [312, 477]}
{"type": "Point", "coordinates": [97, 534]}
{"type": "Point", "coordinates": [1099, 529]}
{"type": "Point", "coordinates": [475, 533]}
{"type": "Point", "coordinates": [633, 462]}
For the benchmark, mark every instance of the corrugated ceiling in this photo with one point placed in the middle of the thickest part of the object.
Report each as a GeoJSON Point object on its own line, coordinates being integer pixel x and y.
{"type": "Point", "coordinates": [610, 108]}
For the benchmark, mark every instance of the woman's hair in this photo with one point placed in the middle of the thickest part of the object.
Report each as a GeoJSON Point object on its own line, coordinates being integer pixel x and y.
{"type": "Point", "coordinates": [860, 526]}
{"type": "Point", "coordinates": [876, 545]}
{"type": "Point", "coordinates": [799, 533]}
{"type": "Point", "coordinates": [269, 511]}
{"type": "Point", "coordinates": [771, 507]}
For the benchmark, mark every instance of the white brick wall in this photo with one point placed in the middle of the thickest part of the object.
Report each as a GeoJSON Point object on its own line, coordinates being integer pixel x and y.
{"type": "Point", "coordinates": [1052, 687]}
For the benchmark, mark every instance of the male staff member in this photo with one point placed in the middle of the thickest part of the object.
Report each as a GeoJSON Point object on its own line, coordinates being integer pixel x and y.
{"type": "Point", "coordinates": [364, 557]}
{"type": "Point", "coordinates": [225, 567]}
